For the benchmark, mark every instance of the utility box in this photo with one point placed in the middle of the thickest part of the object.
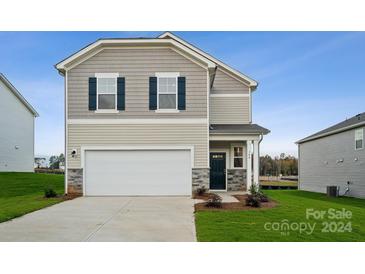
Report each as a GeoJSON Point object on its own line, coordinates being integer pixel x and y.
{"type": "Point", "coordinates": [333, 191]}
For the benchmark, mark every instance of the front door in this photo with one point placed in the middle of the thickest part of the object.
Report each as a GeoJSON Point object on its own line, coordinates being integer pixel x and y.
{"type": "Point", "coordinates": [218, 170]}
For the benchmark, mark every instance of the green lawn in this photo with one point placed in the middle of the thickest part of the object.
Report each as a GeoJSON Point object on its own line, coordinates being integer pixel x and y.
{"type": "Point", "coordinates": [21, 193]}
{"type": "Point", "coordinates": [278, 183]}
{"type": "Point", "coordinates": [249, 226]}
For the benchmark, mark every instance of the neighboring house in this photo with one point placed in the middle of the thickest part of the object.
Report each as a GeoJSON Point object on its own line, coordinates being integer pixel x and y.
{"type": "Point", "coordinates": [334, 156]}
{"type": "Point", "coordinates": [157, 117]}
{"type": "Point", "coordinates": [17, 129]}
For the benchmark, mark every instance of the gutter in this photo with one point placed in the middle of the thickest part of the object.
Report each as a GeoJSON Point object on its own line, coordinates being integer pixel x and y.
{"type": "Point", "coordinates": [330, 133]}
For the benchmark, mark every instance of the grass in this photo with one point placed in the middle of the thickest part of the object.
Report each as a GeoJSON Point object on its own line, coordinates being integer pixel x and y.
{"type": "Point", "coordinates": [21, 193]}
{"type": "Point", "coordinates": [278, 183]}
{"type": "Point", "coordinates": [249, 226]}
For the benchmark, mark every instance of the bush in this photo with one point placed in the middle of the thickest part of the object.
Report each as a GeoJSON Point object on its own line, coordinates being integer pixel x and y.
{"type": "Point", "coordinates": [253, 200]}
{"type": "Point", "coordinates": [256, 191]}
{"type": "Point", "coordinates": [49, 192]}
{"type": "Point", "coordinates": [201, 190]}
{"type": "Point", "coordinates": [263, 198]}
{"type": "Point", "coordinates": [214, 201]}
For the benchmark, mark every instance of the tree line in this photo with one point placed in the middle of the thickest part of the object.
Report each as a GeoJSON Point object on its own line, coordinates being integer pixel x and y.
{"type": "Point", "coordinates": [285, 165]}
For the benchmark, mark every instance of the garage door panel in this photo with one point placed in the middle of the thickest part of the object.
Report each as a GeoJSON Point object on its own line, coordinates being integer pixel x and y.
{"type": "Point", "coordinates": [139, 172]}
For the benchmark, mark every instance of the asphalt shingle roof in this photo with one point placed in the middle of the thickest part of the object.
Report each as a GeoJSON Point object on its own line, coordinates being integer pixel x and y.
{"type": "Point", "coordinates": [238, 129]}
{"type": "Point", "coordinates": [352, 122]}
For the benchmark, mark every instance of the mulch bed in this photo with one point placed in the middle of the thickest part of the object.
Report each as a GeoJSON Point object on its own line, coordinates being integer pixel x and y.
{"type": "Point", "coordinates": [234, 206]}
{"type": "Point", "coordinates": [204, 197]}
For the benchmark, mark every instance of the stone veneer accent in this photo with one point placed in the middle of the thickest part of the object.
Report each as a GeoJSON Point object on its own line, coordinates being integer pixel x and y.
{"type": "Point", "coordinates": [236, 179]}
{"type": "Point", "coordinates": [201, 178]}
{"type": "Point", "coordinates": [74, 181]}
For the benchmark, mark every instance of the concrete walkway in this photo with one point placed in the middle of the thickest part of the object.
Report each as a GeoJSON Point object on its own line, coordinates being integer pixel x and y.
{"type": "Point", "coordinates": [227, 197]}
{"type": "Point", "coordinates": [107, 219]}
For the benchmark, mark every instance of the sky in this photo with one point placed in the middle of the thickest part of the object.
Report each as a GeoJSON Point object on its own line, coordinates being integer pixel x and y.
{"type": "Point", "coordinates": [307, 80]}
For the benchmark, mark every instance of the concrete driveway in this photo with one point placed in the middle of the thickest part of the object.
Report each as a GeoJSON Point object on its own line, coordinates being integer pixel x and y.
{"type": "Point", "coordinates": [143, 219]}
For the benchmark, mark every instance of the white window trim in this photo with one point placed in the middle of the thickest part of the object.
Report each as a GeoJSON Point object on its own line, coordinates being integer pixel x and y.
{"type": "Point", "coordinates": [233, 145]}
{"type": "Point", "coordinates": [362, 133]}
{"type": "Point", "coordinates": [106, 75]}
{"type": "Point", "coordinates": [167, 75]}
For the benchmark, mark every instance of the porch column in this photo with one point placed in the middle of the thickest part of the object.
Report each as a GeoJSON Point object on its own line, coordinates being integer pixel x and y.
{"type": "Point", "coordinates": [256, 162]}
{"type": "Point", "coordinates": [249, 164]}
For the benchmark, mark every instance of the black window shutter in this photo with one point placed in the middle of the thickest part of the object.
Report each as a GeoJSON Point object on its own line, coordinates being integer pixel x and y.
{"type": "Point", "coordinates": [92, 93]}
{"type": "Point", "coordinates": [121, 93]}
{"type": "Point", "coordinates": [181, 87]}
{"type": "Point", "coordinates": [153, 93]}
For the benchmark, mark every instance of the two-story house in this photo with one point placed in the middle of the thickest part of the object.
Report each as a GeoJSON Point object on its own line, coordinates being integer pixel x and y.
{"type": "Point", "coordinates": [334, 156]}
{"type": "Point", "coordinates": [156, 117]}
{"type": "Point", "coordinates": [16, 129]}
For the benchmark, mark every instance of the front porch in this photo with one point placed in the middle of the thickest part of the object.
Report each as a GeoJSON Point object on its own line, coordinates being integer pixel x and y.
{"type": "Point", "coordinates": [234, 164]}
{"type": "Point", "coordinates": [233, 158]}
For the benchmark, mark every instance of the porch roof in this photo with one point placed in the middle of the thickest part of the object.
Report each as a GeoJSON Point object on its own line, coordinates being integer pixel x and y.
{"type": "Point", "coordinates": [249, 129]}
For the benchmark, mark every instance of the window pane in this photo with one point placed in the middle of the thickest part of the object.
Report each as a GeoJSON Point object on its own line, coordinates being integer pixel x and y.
{"type": "Point", "coordinates": [162, 85]}
{"type": "Point", "coordinates": [358, 144]}
{"type": "Point", "coordinates": [167, 101]}
{"type": "Point", "coordinates": [167, 85]}
{"type": "Point", "coordinates": [238, 162]}
{"type": "Point", "coordinates": [171, 85]}
{"type": "Point", "coordinates": [359, 133]}
{"type": "Point", "coordinates": [163, 81]}
{"type": "Point", "coordinates": [238, 151]}
{"type": "Point", "coordinates": [106, 85]}
{"type": "Point", "coordinates": [106, 101]}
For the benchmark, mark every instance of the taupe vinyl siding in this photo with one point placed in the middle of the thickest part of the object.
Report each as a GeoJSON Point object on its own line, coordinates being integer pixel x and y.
{"type": "Point", "coordinates": [318, 166]}
{"type": "Point", "coordinates": [137, 65]}
{"type": "Point", "coordinates": [229, 110]}
{"type": "Point", "coordinates": [148, 134]}
{"type": "Point", "coordinates": [225, 84]}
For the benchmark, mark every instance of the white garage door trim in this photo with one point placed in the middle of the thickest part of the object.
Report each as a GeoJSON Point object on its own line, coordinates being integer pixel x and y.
{"type": "Point", "coordinates": [128, 148]}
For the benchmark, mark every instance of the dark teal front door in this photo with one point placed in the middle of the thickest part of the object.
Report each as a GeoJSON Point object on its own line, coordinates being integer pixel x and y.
{"type": "Point", "coordinates": [218, 170]}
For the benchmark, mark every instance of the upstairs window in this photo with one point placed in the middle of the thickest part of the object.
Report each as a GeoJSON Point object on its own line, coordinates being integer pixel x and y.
{"type": "Point", "coordinates": [359, 138]}
{"type": "Point", "coordinates": [106, 92]}
{"type": "Point", "coordinates": [167, 91]}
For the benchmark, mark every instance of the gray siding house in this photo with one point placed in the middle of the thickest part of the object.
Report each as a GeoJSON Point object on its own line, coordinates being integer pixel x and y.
{"type": "Point", "coordinates": [156, 116]}
{"type": "Point", "coordinates": [334, 156]}
{"type": "Point", "coordinates": [16, 129]}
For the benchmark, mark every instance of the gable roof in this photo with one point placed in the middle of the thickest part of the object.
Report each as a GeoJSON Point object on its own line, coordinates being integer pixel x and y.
{"type": "Point", "coordinates": [99, 44]}
{"type": "Point", "coordinates": [354, 122]}
{"type": "Point", "coordinates": [233, 72]}
{"type": "Point", "coordinates": [166, 38]}
{"type": "Point", "coordinates": [18, 95]}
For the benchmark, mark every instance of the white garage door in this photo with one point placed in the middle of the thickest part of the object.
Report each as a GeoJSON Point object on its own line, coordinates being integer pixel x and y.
{"type": "Point", "coordinates": [138, 172]}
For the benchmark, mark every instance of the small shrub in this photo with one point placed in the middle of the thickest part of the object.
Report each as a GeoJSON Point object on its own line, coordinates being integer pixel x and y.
{"type": "Point", "coordinates": [49, 192]}
{"type": "Point", "coordinates": [263, 198]}
{"type": "Point", "coordinates": [254, 188]}
{"type": "Point", "coordinates": [256, 191]}
{"type": "Point", "coordinates": [253, 201]}
{"type": "Point", "coordinates": [214, 201]}
{"type": "Point", "coordinates": [200, 191]}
